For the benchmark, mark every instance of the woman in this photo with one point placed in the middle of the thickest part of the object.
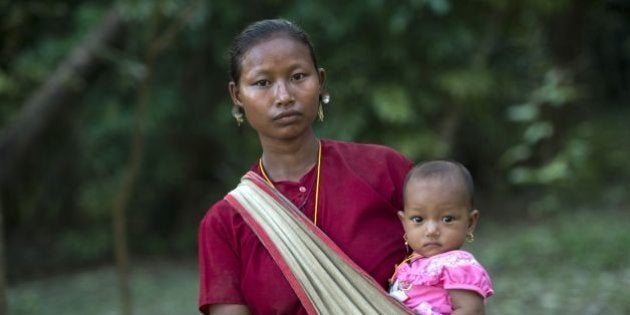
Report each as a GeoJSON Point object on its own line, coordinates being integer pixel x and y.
{"type": "Point", "coordinates": [351, 191]}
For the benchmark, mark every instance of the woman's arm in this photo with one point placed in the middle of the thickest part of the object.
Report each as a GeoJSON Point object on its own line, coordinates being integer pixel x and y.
{"type": "Point", "coordinates": [466, 302]}
{"type": "Point", "coordinates": [229, 309]}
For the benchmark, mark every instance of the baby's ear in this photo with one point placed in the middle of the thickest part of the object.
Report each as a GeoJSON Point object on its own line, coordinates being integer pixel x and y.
{"type": "Point", "coordinates": [401, 216]}
{"type": "Point", "coordinates": [474, 218]}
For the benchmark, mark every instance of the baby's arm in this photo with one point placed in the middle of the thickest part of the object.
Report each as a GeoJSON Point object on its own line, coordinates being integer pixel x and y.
{"type": "Point", "coordinates": [466, 302]}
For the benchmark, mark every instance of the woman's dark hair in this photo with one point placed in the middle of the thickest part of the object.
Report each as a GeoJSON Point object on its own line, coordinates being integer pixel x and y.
{"type": "Point", "coordinates": [444, 168]}
{"type": "Point", "coordinates": [259, 31]}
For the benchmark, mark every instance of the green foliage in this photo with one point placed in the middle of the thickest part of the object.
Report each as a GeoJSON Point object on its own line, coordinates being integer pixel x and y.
{"type": "Point", "coordinates": [466, 85]}
{"type": "Point", "coordinates": [392, 105]}
{"type": "Point", "coordinates": [158, 287]}
{"type": "Point", "coordinates": [570, 264]}
{"type": "Point", "coordinates": [589, 240]}
{"type": "Point", "coordinates": [485, 82]}
{"type": "Point", "coordinates": [574, 262]}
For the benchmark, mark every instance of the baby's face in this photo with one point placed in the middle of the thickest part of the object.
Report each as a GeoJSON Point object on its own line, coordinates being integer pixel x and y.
{"type": "Point", "coordinates": [437, 215]}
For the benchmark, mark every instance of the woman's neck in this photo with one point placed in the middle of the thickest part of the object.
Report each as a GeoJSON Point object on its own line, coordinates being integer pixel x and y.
{"type": "Point", "coordinates": [289, 160]}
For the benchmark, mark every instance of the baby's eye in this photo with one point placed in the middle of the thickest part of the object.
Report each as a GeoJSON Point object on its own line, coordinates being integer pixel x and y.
{"type": "Point", "coordinates": [447, 219]}
{"type": "Point", "coordinates": [416, 219]}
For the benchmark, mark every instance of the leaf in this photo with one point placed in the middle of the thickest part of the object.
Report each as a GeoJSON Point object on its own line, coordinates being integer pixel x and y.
{"type": "Point", "coordinates": [439, 7]}
{"type": "Point", "coordinates": [465, 84]}
{"type": "Point", "coordinates": [391, 104]}
{"type": "Point", "coordinates": [523, 112]}
{"type": "Point", "coordinates": [538, 131]}
{"type": "Point", "coordinates": [516, 154]}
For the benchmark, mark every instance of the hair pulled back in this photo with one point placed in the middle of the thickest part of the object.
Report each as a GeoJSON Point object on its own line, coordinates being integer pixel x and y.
{"type": "Point", "coordinates": [260, 31]}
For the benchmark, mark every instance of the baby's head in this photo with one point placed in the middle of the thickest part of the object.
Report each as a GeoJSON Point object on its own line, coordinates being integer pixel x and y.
{"type": "Point", "coordinates": [439, 214]}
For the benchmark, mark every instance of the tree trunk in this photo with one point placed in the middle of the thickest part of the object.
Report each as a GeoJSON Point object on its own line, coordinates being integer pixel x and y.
{"type": "Point", "coordinates": [49, 101]}
{"type": "Point", "coordinates": [55, 96]}
{"type": "Point", "coordinates": [4, 308]}
{"type": "Point", "coordinates": [121, 203]}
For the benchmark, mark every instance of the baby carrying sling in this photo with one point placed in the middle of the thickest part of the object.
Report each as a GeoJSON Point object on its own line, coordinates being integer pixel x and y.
{"type": "Point", "coordinates": [325, 280]}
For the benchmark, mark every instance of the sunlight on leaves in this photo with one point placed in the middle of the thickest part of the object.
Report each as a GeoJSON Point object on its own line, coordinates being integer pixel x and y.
{"type": "Point", "coordinates": [440, 7]}
{"type": "Point", "coordinates": [516, 154]}
{"type": "Point", "coordinates": [465, 84]}
{"type": "Point", "coordinates": [553, 171]}
{"type": "Point", "coordinates": [392, 104]}
{"type": "Point", "coordinates": [523, 112]}
{"type": "Point", "coordinates": [538, 131]}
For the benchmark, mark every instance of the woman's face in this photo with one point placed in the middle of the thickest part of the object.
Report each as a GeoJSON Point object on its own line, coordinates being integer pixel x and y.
{"type": "Point", "coordinates": [278, 88]}
{"type": "Point", "coordinates": [437, 215]}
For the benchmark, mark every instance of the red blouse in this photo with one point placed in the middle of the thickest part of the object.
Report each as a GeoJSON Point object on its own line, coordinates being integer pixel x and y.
{"type": "Point", "coordinates": [359, 195]}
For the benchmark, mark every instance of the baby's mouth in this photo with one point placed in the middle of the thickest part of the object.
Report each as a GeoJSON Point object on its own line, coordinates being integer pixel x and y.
{"type": "Point", "coordinates": [432, 244]}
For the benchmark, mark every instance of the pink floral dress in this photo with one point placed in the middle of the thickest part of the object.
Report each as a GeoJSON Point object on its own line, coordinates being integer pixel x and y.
{"type": "Point", "coordinates": [422, 283]}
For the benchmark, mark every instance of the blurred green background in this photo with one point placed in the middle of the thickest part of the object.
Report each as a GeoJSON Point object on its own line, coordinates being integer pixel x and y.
{"type": "Point", "coordinates": [116, 129]}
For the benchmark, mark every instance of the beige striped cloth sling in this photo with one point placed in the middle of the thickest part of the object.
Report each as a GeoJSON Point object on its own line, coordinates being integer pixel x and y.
{"type": "Point", "coordinates": [325, 280]}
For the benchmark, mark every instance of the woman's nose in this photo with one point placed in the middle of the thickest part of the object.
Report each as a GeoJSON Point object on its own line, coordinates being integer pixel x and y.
{"type": "Point", "coordinates": [283, 93]}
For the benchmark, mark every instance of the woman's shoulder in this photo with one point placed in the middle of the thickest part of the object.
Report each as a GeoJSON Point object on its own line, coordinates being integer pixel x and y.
{"type": "Point", "coordinates": [221, 207]}
{"type": "Point", "coordinates": [365, 150]}
{"type": "Point", "coordinates": [220, 212]}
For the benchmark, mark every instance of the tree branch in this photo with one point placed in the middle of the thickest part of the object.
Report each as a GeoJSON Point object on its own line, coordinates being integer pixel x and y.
{"type": "Point", "coordinates": [55, 96]}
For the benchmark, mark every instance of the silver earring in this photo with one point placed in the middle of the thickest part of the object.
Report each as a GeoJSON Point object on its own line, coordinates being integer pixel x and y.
{"type": "Point", "coordinates": [237, 113]}
{"type": "Point", "coordinates": [470, 237]}
{"type": "Point", "coordinates": [324, 99]}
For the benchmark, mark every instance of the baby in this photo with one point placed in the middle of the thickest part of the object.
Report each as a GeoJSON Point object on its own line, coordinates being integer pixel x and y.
{"type": "Point", "coordinates": [438, 217]}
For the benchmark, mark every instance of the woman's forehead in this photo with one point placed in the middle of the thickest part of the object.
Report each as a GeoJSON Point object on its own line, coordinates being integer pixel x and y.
{"type": "Point", "coordinates": [275, 47]}
{"type": "Point", "coordinates": [276, 52]}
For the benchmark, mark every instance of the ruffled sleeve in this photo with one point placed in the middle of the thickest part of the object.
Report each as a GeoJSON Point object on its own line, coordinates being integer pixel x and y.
{"type": "Point", "coordinates": [467, 274]}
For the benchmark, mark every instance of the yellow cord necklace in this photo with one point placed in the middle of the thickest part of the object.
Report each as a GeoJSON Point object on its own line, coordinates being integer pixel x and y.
{"type": "Point", "coordinates": [397, 267]}
{"type": "Point", "coordinates": [319, 167]}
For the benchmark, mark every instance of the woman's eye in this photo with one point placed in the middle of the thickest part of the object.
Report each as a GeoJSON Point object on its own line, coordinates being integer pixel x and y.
{"type": "Point", "coordinates": [261, 83]}
{"type": "Point", "coordinates": [416, 219]}
{"type": "Point", "coordinates": [298, 76]}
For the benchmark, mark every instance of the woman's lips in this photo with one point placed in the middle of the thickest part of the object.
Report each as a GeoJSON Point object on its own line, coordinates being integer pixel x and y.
{"type": "Point", "coordinates": [287, 116]}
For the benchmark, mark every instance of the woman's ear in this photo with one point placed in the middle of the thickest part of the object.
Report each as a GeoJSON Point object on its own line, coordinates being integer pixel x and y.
{"type": "Point", "coordinates": [235, 94]}
{"type": "Point", "coordinates": [321, 72]}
